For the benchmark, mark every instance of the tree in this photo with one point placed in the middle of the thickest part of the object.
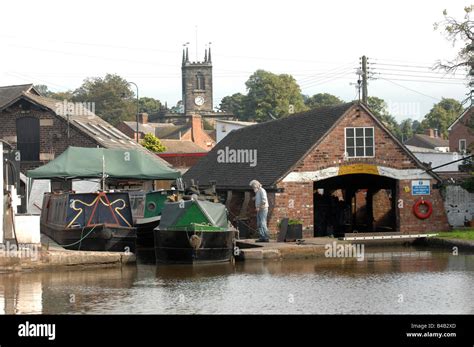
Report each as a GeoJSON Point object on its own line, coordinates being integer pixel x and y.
{"type": "Point", "coordinates": [44, 91]}
{"type": "Point", "coordinates": [459, 30]}
{"type": "Point", "coordinates": [278, 95]}
{"type": "Point", "coordinates": [152, 143]}
{"type": "Point", "coordinates": [236, 104]}
{"type": "Point", "coordinates": [379, 109]}
{"type": "Point", "coordinates": [149, 105]}
{"type": "Point", "coordinates": [322, 99]}
{"type": "Point", "coordinates": [114, 99]}
{"type": "Point", "coordinates": [442, 115]}
{"type": "Point", "coordinates": [406, 129]}
{"type": "Point", "coordinates": [416, 127]}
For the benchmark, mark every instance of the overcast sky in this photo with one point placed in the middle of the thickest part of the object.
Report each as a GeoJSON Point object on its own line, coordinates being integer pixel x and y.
{"type": "Point", "coordinates": [60, 43]}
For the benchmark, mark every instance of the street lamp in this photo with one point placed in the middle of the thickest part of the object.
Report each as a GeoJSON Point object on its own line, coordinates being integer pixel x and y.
{"type": "Point", "coordinates": [138, 105]}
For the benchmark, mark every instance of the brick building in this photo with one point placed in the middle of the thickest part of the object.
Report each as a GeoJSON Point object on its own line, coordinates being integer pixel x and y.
{"type": "Point", "coordinates": [42, 128]}
{"type": "Point", "coordinates": [192, 130]}
{"type": "Point", "coordinates": [331, 163]}
{"type": "Point", "coordinates": [461, 133]}
{"type": "Point", "coordinates": [182, 154]}
{"type": "Point", "coordinates": [430, 140]}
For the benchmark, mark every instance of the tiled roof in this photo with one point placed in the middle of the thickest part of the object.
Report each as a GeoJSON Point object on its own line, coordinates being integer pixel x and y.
{"type": "Point", "coordinates": [7, 93]}
{"type": "Point", "coordinates": [172, 132]}
{"type": "Point", "coordinates": [421, 140]}
{"type": "Point", "coordinates": [279, 145]}
{"type": "Point", "coordinates": [181, 146]}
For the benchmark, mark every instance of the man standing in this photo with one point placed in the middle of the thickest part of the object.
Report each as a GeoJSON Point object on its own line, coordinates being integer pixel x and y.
{"type": "Point", "coordinates": [261, 205]}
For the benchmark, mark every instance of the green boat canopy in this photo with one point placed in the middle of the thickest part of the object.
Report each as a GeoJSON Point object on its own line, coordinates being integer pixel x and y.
{"type": "Point", "coordinates": [185, 213]}
{"type": "Point", "coordinates": [79, 162]}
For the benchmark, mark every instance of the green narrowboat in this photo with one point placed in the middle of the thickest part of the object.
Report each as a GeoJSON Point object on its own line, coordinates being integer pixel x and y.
{"type": "Point", "coordinates": [194, 231]}
{"type": "Point", "coordinates": [146, 211]}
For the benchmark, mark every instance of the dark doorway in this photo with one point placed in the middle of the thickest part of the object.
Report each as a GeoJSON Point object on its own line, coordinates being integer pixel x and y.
{"type": "Point", "coordinates": [28, 138]}
{"type": "Point", "coordinates": [355, 203]}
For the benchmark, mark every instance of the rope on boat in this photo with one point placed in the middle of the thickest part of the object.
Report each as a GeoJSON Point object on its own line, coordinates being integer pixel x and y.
{"type": "Point", "coordinates": [82, 237]}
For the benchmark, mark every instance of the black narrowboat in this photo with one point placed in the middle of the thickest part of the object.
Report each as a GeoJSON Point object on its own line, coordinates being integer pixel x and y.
{"type": "Point", "coordinates": [100, 221]}
{"type": "Point", "coordinates": [194, 231]}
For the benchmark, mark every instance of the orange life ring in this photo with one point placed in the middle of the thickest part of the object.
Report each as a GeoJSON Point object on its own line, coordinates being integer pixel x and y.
{"type": "Point", "coordinates": [418, 213]}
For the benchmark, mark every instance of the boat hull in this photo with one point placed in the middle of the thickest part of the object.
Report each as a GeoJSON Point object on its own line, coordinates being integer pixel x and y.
{"type": "Point", "coordinates": [145, 227]}
{"type": "Point", "coordinates": [176, 246]}
{"type": "Point", "coordinates": [103, 238]}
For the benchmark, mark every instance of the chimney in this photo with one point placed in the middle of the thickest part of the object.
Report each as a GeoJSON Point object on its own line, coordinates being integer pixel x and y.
{"type": "Point", "coordinates": [196, 126]}
{"type": "Point", "coordinates": [431, 132]}
{"type": "Point", "coordinates": [143, 118]}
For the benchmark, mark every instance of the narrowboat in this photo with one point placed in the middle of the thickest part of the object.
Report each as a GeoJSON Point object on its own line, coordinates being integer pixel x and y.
{"type": "Point", "coordinates": [146, 212]}
{"type": "Point", "coordinates": [100, 221]}
{"type": "Point", "coordinates": [194, 231]}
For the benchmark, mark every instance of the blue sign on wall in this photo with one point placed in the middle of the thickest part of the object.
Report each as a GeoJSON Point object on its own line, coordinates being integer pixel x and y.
{"type": "Point", "coordinates": [421, 187]}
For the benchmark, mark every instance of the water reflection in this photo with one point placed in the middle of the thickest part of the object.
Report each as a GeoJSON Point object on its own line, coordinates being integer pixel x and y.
{"type": "Point", "coordinates": [388, 280]}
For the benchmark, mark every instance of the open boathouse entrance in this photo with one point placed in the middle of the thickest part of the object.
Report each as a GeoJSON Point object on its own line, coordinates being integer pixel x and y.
{"type": "Point", "coordinates": [353, 203]}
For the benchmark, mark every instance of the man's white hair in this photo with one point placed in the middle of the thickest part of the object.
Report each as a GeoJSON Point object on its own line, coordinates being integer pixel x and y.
{"type": "Point", "coordinates": [255, 183]}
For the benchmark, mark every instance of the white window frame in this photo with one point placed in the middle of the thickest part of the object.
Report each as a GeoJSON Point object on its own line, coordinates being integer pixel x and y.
{"type": "Point", "coordinates": [346, 153]}
{"type": "Point", "coordinates": [465, 145]}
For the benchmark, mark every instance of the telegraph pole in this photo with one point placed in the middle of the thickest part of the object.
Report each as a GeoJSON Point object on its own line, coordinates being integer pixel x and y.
{"type": "Point", "coordinates": [364, 79]}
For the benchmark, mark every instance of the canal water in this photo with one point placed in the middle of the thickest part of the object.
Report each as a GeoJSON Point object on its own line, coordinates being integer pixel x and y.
{"type": "Point", "coordinates": [393, 280]}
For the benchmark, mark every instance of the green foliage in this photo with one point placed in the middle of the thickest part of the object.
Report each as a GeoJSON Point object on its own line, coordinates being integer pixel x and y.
{"type": "Point", "coordinates": [457, 234]}
{"type": "Point", "coordinates": [113, 97]}
{"type": "Point", "coordinates": [237, 104]}
{"type": "Point", "coordinates": [322, 99]}
{"type": "Point", "coordinates": [291, 222]}
{"type": "Point", "coordinates": [152, 143]}
{"type": "Point", "coordinates": [44, 90]}
{"type": "Point", "coordinates": [406, 129]}
{"type": "Point", "coordinates": [278, 95]}
{"type": "Point", "coordinates": [267, 93]}
{"type": "Point", "coordinates": [149, 105]}
{"type": "Point", "coordinates": [442, 115]}
{"type": "Point", "coordinates": [379, 109]}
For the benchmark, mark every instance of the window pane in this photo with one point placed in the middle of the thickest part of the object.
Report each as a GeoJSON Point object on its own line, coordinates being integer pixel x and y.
{"type": "Point", "coordinates": [369, 151]}
{"type": "Point", "coordinates": [360, 151]}
{"type": "Point", "coordinates": [350, 142]}
{"type": "Point", "coordinates": [350, 152]}
{"type": "Point", "coordinates": [359, 141]}
{"type": "Point", "coordinates": [369, 132]}
{"type": "Point", "coordinates": [349, 132]}
{"type": "Point", "coordinates": [369, 141]}
{"type": "Point", "coordinates": [360, 132]}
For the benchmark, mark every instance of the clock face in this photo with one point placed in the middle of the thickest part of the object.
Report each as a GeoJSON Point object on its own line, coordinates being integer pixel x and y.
{"type": "Point", "coordinates": [199, 100]}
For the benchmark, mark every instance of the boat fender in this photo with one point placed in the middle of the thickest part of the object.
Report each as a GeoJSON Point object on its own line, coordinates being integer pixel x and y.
{"type": "Point", "coordinates": [418, 213]}
{"type": "Point", "coordinates": [195, 241]}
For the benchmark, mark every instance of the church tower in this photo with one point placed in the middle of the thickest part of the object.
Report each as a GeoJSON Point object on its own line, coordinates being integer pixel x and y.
{"type": "Point", "coordinates": [197, 84]}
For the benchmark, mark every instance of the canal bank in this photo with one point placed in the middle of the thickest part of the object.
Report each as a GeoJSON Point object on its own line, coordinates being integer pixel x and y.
{"type": "Point", "coordinates": [318, 247]}
{"type": "Point", "coordinates": [49, 255]}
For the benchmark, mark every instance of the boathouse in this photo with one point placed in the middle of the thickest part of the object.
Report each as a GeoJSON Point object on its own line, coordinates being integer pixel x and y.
{"type": "Point", "coordinates": [334, 169]}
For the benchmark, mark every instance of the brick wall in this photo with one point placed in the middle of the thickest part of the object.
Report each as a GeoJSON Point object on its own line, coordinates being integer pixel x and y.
{"type": "Point", "coordinates": [53, 134]}
{"type": "Point", "coordinates": [199, 136]}
{"type": "Point", "coordinates": [461, 130]}
{"type": "Point", "coordinates": [181, 161]}
{"type": "Point", "coordinates": [127, 131]}
{"type": "Point", "coordinates": [409, 223]}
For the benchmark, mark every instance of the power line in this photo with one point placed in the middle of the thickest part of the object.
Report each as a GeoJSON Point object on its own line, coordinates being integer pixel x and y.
{"type": "Point", "coordinates": [444, 73]}
{"type": "Point", "coordinates": [417, 76]}
{"type": "Point", "coordinates": [410, 89]}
